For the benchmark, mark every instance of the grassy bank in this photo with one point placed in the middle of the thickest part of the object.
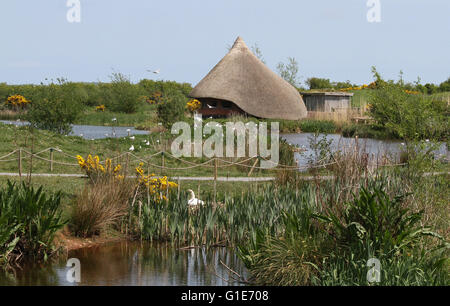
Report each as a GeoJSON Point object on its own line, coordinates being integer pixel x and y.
{"type": "Point", "coordinates": [37, 140]}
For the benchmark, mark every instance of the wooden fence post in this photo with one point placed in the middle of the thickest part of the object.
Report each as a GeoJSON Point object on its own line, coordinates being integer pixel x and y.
{"type": "Point", "coordinates": [162, 163]}
{"type": "Point", "coordinates": [51, 159]}
{"type": "Point", "coordinates": [20, 163]}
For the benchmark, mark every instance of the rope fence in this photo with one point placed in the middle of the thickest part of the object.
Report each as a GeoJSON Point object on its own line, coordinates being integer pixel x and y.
{"type": "Point", "coordinates": [213, 163]}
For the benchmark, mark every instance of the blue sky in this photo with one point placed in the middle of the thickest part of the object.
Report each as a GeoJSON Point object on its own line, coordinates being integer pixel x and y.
{"type": "Point", "coordinates": [185, 39]}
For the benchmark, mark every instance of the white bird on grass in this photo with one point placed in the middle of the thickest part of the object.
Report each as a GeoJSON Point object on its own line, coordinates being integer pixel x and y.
{"type": "Point", "coordinates": [132, 138]}
{"type": "Point", "coordinates": [131, 148]}
{"type": "Point", "coordinates": [193, 201]}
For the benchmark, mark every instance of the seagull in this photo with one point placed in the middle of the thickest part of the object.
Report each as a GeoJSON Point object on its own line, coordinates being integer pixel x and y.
{"type": "Point", "coordinates": [114, 119]}
{"type": "Point", "coordinates": [194, 202]}
{"type": "Point", "coordinates": [209, 106]}
{"type": "Point", "coordinates": [132, 137]}
{"type": "Point", "coordinates": [131, 148]}
{"type": "Point", "coordinates": [147, 143]}
{"type": "Point", "coordinates": [155, 71]}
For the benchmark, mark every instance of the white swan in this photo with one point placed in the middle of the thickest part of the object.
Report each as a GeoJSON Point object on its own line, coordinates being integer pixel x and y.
{"type": "Point", "coordinates": [193, 201]}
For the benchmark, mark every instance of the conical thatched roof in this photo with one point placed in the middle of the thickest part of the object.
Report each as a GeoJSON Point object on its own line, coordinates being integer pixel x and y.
{"type": "Point", "coordinates": [240, 77]}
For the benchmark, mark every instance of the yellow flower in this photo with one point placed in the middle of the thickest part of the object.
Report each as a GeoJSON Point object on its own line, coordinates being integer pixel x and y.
{"type": "Point", "coordinates": [100, 108]}
{"type": "Point", "coordinates": [193, 105]}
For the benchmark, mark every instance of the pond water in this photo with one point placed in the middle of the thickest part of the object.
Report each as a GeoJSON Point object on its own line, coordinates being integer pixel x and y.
{"type": "Point", "coordinates": [135, 264]}
{"type": "Point", "coordinates": [93, 131]}
{"type": "Point", "coordinates": [374, 147]}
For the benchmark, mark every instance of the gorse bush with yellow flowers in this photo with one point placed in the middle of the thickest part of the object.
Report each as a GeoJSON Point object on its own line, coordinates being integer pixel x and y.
{"type": "Point", "coordinates": [157, 187]}
{"type": "Point", "coordinates": [17, 101]}
{"type": "Point", "coordinates": [193, 105]}
{"type": "Point", "coordinates": [100, 108]}
{"type": "Point", "coordinates": [96, 171]}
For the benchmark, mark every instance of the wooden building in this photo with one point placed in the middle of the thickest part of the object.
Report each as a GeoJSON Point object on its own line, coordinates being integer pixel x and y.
{"type": "Point", "coordinates": [327, 101]}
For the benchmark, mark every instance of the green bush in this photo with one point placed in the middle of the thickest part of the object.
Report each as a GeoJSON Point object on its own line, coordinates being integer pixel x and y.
{"type": "Point", "coordinates": [408, 116]}
{"type": "Point", "coordinates": [172, 108]}
{"type": "Point", "coordinates": [164, 87]}
{"type": "Point", "coordinates": [122, 95]}
{"type": "Point", "coordinates": [318, 83]}
{"type": "Point", "coordinates": [29, 220]}
{"type": "Point", "coordinates": [55, 107]}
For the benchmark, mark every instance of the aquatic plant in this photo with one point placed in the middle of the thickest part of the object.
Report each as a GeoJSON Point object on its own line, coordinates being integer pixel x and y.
{"type": "Point", "coordinates": [29, 219]}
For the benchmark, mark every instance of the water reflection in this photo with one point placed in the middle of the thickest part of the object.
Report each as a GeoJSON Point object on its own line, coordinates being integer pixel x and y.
{"type": "Point", "coordinates": [137, 264]}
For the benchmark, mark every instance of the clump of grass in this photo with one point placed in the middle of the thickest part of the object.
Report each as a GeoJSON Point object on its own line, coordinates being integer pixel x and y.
{"type": "Point", "coordinates": [99, 206]}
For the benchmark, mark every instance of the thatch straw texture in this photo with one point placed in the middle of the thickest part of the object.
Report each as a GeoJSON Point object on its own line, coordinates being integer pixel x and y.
{"type": "Point", "coordinates": [240, 77]}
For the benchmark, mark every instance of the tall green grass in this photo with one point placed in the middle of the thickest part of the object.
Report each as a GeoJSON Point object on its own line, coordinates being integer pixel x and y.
{"type": "Point", "coordinates": [29, 219]}
{"type": "Point", "coordinates": [373, 225]}
{"type": "Point", "coordinates": [229, 221]}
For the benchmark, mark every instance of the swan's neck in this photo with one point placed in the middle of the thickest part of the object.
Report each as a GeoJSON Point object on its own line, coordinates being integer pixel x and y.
{"type": "Point", "coordinates": [192, 195]}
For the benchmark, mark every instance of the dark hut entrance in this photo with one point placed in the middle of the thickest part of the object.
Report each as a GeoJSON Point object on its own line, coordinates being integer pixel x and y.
{"type": "Point", "coordinates": [217, 108]}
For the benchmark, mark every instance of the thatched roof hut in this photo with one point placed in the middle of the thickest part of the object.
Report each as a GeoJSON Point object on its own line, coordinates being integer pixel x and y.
{"type": "Point", "coordinates": [243, 83]}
